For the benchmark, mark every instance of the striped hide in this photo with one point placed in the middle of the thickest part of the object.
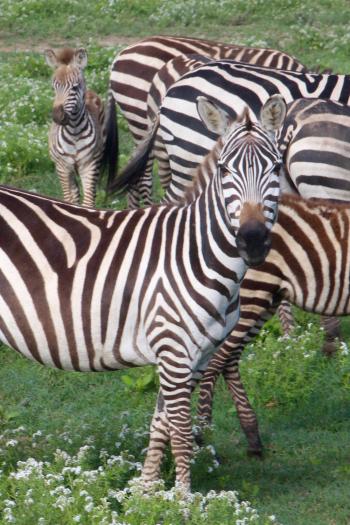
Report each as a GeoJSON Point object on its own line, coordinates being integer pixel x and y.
{"type": "Point", "coordinates": [81, 289]}
{"type": "Point", "coordinates": [233, 85]}
{"type": "Point", "coordinates": [308, 265]}
{"type": "Point", "coordinates": [134, 72]}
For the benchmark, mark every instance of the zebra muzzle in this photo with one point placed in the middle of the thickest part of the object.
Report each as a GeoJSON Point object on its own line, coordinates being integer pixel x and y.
{"type": "Point", "coordinates": [253, 242]}
{"type": "Point", "coordinates": [59, 116]}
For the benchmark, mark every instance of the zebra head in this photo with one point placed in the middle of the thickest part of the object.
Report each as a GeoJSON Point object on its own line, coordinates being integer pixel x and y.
{"type": "Point", "coordinates": [249, 163]}
{"type": "Point", "coordinates": [68, 83]}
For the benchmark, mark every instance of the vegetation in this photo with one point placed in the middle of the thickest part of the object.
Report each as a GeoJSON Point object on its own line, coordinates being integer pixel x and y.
{"type": "Point", "coordinates": [69, 442]}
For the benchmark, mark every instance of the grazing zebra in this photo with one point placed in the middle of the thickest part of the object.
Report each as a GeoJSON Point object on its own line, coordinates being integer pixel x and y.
{"type": "Point", "coordinates": [315, 142]}
{"type": "Point", "coordinates": [235, 86]}
{"type": "Point", "coordinates": [134, 71]}
{"type": "Point", "coordinates": [78, 134]}
{"type": "Point", "coordinates": [84, 289]}
{"type": "Point", "coordinates": [309, 265]}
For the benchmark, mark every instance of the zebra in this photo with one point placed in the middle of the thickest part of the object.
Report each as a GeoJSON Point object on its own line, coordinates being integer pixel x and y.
{"type": "Point", "coordinates": [94, 290]}
{"type": "Point", "coordinates": [315, 144]}
{"type": "Point", "coordinates": [134, 71]}
{"type": "Point", "coordinates": [236, 85]}
{"type": "Point", "coordinates": [309, 265]}
{"type": "Point", "coordinates": [79, 137]}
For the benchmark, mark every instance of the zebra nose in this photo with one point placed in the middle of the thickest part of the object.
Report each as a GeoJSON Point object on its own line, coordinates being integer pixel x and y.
{"type": "Point", "coordinates": [253, 242]}
{"type": "Point", "coordinates": [59, 116]}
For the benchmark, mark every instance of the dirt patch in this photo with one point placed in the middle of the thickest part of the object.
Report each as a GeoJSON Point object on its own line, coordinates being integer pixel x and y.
{"type": "Point", "coordinates": [39, 46]}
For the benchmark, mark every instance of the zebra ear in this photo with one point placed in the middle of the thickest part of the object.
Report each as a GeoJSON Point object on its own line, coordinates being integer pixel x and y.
{"type": "Point", "coordinates": [80, 58]}
{"type": "Point", "coordinates": [273, 113]}
{"type": "Point", "coordinates": [51, 58]}
{"type": "Point", "coordinates": [214, 117]}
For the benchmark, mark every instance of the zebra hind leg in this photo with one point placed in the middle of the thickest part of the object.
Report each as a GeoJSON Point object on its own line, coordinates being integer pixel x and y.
{"type": "Point", "coordinates": [331, 326]}
{"type": "Point", "coordinates": [286, 318]}
{"type": "Point", "coordinates": [245, 412]}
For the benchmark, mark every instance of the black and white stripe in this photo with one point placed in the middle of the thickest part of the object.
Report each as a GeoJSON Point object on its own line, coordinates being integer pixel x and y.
{"type": "Point", "coordinates": [233, 85]}
{"type": "Point", "coordinates": [142, 73]}
{"type": "Point", "coordinates": [308, 265]}
{"type": "Point", "coordinates": [84, 289]}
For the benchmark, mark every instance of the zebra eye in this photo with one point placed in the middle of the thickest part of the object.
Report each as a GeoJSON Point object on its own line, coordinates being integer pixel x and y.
{"type": "Point", "coordinates": [277, 166]}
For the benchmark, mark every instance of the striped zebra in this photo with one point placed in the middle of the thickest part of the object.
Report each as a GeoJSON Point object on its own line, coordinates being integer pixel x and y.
{"type": "Point", "coordinates": [82, 289]}
{"type": "Point", "coordinates": [233, 85]}
{"type": "Point", "coordinates": [315, 143]}
{"type": "Point", "coordinates": [142, 68]}
{"type": "Point", "coordinates": [78, 135]}
{"type": "Point", "coordinates": [309, 265]}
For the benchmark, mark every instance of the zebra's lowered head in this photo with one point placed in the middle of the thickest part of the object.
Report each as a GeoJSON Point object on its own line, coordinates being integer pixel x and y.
{"type": "Point", "coordinates": [249, 161]}
{"type": "Point", "coordinates": [68, 83]}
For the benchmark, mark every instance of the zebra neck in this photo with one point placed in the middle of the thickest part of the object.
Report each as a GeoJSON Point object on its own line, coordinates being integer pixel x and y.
{"type": "Point", "coordinates": [80, 121]}
{"type": "Point", "coordinates": [211, 235]}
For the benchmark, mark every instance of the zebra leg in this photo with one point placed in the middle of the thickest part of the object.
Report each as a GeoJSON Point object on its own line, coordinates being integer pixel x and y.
{"type": "Point", "coordinates": [69, 186]}
{"type": "Point", "coordinates": [245, 412]}
{"type": "Point", "coordinates": [88, 175]}
{"type": "Point", "coordinates": [159, 437]}
{"type": "Point", "coordinates": [285, 315]}
{"type": "Point", "coordinates": [331, 327]}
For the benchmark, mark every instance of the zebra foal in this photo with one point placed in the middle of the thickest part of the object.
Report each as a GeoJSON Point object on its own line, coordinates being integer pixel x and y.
{"type": "Point", "coordinates": [82, 289]}
{"type": "Point", "coordinates": [78, 134]}
{"type": "Point", "coordinates": [308, 265]}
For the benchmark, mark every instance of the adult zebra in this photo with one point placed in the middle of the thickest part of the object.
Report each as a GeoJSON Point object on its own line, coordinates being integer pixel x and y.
{"type": "Point", "coordinates": [134, 72]}
{"type": "Point", "coordinates": [308, 265]}
{"type": "Point", "coordinates": [80, 137]}
{"type": "Point", "coordinates": [315, 143]}
{"type": "Point", "coordinates": [233, 85]}
{"type": "Point", "coordinates": [81, 289]}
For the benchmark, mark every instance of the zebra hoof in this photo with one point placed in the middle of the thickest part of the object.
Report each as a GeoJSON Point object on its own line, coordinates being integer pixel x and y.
{"type": "Point", "coordinates": [255, 453]}
{"type": "Point", "coordinates": [329, 348]}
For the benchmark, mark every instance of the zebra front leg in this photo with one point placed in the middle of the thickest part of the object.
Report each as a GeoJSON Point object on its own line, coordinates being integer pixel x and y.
{"type": "Point", "coordinates": [89, 175]}
{"type": "Point", "coordinates": [159, 438]}
{"type": "Point", "coordinates": [69, 185]}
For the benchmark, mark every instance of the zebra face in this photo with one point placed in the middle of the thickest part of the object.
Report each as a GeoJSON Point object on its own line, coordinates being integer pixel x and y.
{"type": "Point", "coordinates": [68, 83]}
{"type": "Point", "coordinates": [69, 86]}
{"type": "Point", "coordinates": [249, 163]}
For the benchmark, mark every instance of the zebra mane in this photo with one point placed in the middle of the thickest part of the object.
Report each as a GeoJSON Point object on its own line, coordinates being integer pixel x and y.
{"type": "Point", "coordinates": [319, 206]}
{"type": "Point", "coordinates": [65, 55]}
{"type": "Point", "coordinates": [203, 173]}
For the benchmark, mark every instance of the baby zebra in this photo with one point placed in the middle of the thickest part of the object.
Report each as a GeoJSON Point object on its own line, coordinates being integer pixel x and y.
{"type": "Point", "coordinates": [78, 135]}
{"type": "Point", "coordinates": [309, 265]}
{"type": "Point", "coordinates": [84, 289]}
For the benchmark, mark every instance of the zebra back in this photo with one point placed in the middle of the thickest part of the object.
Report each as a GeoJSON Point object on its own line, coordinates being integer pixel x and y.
{"type": "Point", "coordinates": [233, 85]}
{"type": "Point", "coordinates": [315, 143]}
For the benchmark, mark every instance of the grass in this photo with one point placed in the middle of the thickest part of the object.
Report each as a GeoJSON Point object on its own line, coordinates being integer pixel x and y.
{"type": "Point", "coordinates": [302, 399]}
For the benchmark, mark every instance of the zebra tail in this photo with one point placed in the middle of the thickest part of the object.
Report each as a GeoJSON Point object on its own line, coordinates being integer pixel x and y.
{"type": "Point", "coordinates": [135, 168]}
{"type": "Point", "coordinates": [111, 149]}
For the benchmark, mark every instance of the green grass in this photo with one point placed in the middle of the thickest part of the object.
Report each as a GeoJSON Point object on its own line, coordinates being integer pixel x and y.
{"type": "Point", "coordinates": [302, 399]}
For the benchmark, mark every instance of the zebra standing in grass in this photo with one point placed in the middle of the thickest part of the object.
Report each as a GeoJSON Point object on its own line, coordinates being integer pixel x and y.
{"type": "Point", "coordinates": [136, 86]}
{"type": "Point", "coordinates": [78, 134]}
{"type": "Point", "coordinates": [309, 265]}
{"type": "Point", "coordinates": [315, 142]}
{"type": "Point", "coordinates": [84, 289]}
